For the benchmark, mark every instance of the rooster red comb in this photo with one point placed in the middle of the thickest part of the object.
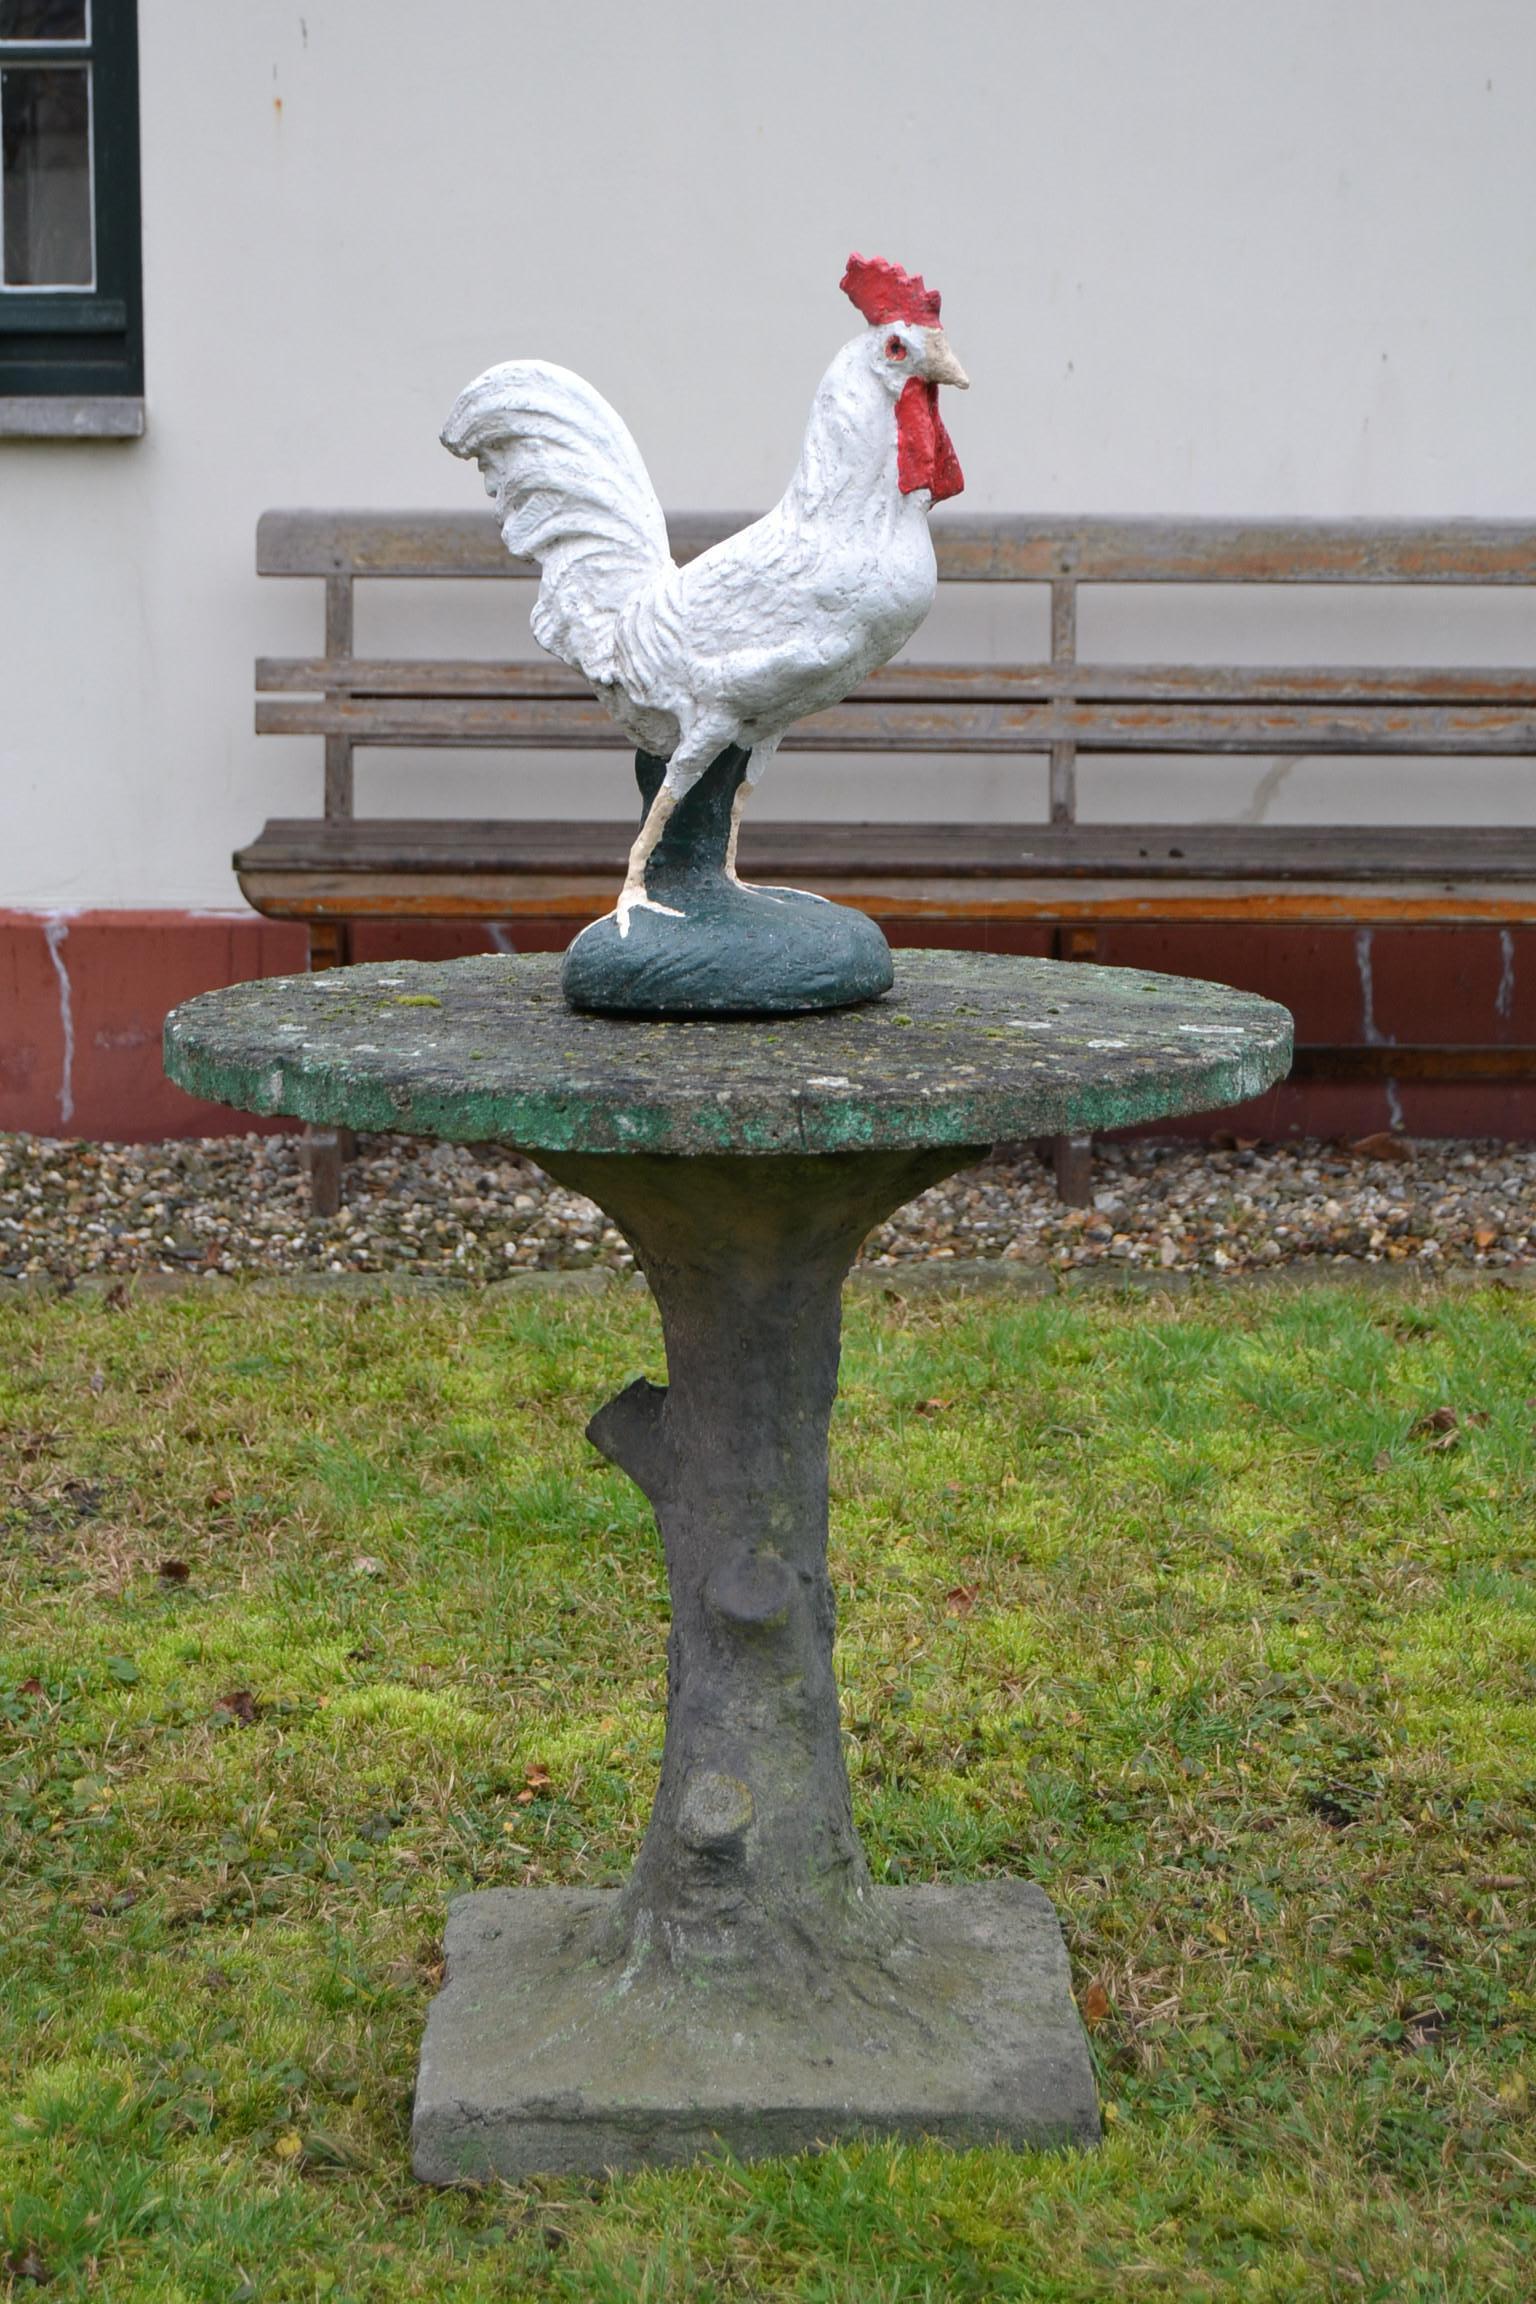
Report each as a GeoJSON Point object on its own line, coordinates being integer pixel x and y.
{"type": "Point", "coordinates": [883, 292]}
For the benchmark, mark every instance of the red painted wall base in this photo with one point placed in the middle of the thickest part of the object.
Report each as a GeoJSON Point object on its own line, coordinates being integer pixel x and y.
{"type": "Point", "coordinates": [83, 996]}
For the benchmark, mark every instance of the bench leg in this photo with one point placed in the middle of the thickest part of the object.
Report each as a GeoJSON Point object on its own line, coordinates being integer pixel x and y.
{"type": "Point", "coordinates": [327, 1150]}
{"type": "Point", "coordinates": [1072, 1156]}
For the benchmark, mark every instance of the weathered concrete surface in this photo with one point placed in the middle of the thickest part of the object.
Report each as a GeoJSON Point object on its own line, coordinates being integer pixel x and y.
{"type": "Point", "coordinates": [543, 2057]}
{"type": "Point", "coordinates": [970, 1048]}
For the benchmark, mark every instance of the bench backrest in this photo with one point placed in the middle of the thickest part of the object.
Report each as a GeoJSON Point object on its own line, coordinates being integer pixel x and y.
{"type": "Point", "coordinates": [1058, 706]}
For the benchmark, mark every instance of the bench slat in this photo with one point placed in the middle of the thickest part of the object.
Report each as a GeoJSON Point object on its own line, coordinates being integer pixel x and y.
{"type": "Point", "coordinates": [971, 683]}
{"type": "Point", "coordinates": [971, 548]}
{"type": "Point", "coordinates": [875, 724]}
{"type": "Point", "coordinates": [916, 851]}
{"type": "Point", "coordinates": [495, 897]}
{"type": "Point", "coordinates": [1303, 875]}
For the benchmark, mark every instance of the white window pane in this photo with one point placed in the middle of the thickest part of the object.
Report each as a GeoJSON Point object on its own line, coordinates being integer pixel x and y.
{"type": "Point", "coordinates": [45, 181]}
{"type": "Point", "coordinates": [43, 20]}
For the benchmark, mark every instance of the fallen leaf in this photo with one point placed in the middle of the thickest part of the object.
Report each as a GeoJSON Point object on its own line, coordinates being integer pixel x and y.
{"type": "Point", "coordinates": [1383, 1145]}
{"type": "Point", "coordinates": [366, 1565]}
{"type": "Point", "coordinates": [932, 1407]}
{"type": "Point", "coordinates": [1434, 1420]}
{"type": "Point", "coordinates": [417, 1000]}
{"type": "Point", "coordinates": [1441, 1428]}
{"type": "Point", "coordinates": [1484, 1236]}
{"type": "Point", "coordinates": [1382, 1461]}
{"type": "Point", "coordinates": [290, 2146]}
{"type": "Point", "coordinates": [323, 2149]}
{"type": "Point", "coordinates": [30, 1445]}
{"type": "Point", "coordinates": [960, 1599]}
{"type": "Point", "coordinates": [1096, 2006]}
{"type": "Point", "coordinates": [173, 1572]}
{"type": "Point", "coordinates": [32, 1687]}
{"type": "Point", "coordinates": [241, 1706]}
{"type": "Point", "coordinates": [25, 2263]}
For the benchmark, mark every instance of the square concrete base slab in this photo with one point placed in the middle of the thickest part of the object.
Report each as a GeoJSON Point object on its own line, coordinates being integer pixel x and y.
{"type": "Point", "coordinates": [539, 2059]}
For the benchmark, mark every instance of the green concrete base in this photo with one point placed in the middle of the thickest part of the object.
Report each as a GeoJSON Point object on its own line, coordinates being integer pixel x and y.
{"type": "Point", "coordinates": [717, 948]}
{"type": "Point", "coordinates": [541, 2060]}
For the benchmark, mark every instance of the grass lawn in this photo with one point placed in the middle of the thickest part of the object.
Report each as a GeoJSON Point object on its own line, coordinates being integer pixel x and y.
{"type": "Point", "coordinates": [316, 1612]}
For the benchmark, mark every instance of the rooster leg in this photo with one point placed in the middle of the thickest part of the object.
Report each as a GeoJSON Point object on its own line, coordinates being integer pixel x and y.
{"type": "Point", "coordinates": [760, 756]}
{"type": "Point", "coordinates": [633, 893]}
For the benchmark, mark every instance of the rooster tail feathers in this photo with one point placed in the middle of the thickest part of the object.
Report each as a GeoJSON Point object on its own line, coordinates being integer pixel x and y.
{"type": "Point", "coordinates": [571, 493]}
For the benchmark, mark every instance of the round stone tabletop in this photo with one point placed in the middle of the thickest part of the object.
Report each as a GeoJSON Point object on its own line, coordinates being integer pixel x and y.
{"type": "Point", "coordinates": [970, 1048]}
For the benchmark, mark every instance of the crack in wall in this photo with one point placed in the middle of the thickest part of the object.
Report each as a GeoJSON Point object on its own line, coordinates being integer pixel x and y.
{"type": "Point", "coordinates": [1373, 1034]}
{"type": "Point", "coordinates": [1363, 965]}
{"type": "Point", "coordinates": [1504, 998]}
{"type": "Point", "coordinates": [55, 936]}
{"type": "Point", "coordinates": [1254, 811]}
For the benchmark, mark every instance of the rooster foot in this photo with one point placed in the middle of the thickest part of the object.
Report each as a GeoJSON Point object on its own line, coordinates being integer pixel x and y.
{"type": "Point", "coordinates": [636, 900]}
{"type": "Point", "coordinates": [750, 888]}
{"type": "Point", "coordinates": [774, 895]}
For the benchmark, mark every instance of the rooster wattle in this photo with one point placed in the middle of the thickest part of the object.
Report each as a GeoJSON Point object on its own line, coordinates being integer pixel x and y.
{"type": "Point", "coordinates": [778, 621]}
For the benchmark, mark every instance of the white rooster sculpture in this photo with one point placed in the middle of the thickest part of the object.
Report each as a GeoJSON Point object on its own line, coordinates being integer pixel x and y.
{"type": "Point", "coordinates": [780, 620]}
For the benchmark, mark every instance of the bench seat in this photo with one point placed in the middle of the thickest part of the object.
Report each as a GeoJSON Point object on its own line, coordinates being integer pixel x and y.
{"type": "Point", "coordinates": [315, 868]}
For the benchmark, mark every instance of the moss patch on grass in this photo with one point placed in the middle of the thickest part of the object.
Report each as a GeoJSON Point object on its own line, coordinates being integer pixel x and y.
{"type": "Point", "coordinates": [316, 1613]}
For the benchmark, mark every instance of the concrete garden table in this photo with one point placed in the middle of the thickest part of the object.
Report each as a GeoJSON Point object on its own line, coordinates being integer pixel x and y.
{"type": "Point", "coordinates": [748, 1985]}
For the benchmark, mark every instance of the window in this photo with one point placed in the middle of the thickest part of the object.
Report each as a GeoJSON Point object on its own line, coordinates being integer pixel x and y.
{"type": "Point", "coordinates": [71, 333]}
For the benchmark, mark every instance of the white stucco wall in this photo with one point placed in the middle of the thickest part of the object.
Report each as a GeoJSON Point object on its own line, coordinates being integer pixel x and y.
{"type": "Point", "coordinates": [1203, 256]}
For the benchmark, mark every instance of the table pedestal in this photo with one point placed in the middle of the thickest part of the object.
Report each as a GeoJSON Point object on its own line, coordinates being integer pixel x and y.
{"type": "Point", "coordinates": [748, 1986]}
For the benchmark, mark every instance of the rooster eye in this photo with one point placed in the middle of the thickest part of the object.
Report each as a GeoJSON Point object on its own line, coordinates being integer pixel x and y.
{"type": "Point", "coordinates": [894, 348]}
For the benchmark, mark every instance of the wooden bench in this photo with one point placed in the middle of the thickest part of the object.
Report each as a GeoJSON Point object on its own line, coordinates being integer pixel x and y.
{"type": "Point", "coordinates": [1068, 876]}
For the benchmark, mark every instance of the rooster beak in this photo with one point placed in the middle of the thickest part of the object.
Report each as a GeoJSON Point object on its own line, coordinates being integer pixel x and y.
{"type": "Point", "coordinates": [943, 367]}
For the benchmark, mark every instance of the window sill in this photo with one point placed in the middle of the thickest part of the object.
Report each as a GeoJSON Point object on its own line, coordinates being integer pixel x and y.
{"type": "Point", "coordinates": [71, 416]}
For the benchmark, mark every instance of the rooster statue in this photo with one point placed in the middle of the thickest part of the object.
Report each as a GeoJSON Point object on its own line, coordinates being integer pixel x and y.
{"type": "Point", "coordinates": [779, 620]}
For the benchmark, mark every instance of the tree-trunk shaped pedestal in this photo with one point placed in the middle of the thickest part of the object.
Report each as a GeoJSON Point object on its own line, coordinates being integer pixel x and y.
{"type": "Point", "coordinates": [748, 1986]}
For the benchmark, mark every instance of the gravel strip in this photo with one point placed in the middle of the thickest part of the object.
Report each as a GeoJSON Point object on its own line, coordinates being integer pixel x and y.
{"type": "Point", "coordinates": [239, 1205]}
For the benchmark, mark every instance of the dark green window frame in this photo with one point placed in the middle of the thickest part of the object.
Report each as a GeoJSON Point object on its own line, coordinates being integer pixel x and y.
{"type": "Point", "coordinates": [72, 364]}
